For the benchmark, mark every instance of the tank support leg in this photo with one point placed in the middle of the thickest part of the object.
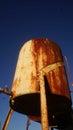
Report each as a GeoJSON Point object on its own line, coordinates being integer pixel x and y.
{"type": "Point", "coordinates": [7, 119]}
{"type": "Point", "coordinates": [44, 111]}
{"type": "Point", "coordinates": [28, 123]}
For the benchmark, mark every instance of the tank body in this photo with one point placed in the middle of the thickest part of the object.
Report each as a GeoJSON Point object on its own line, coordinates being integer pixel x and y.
{"type": "Point", "coordinates": [26, 88]}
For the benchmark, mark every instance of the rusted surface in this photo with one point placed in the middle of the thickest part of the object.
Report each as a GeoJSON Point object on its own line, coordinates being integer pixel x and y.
{"type": "Point", "coordinates": [26, 83]}
{"type": "Point", "coordinates": [28, 68]}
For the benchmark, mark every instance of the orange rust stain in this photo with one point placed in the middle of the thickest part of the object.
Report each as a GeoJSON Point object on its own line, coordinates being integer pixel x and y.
{"type": "Point", "coordinates": [51, 50]}
{"type": "Point", "coordinates": [22, 68]}
{"type": "Point", "coordinates": [16, 83]}
{"type": "Point", "coordinates": [58, 82]}
{"type": "Point", "coordinates": [29, 65]}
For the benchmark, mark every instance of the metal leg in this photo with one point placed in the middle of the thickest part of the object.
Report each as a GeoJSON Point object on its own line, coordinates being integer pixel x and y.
{"type": "Point", "coordinates": [7, 119]}
{"type": "Point", "coordinates": [28, 123]}
{"type": "Point", "coordinates": [44, 111]}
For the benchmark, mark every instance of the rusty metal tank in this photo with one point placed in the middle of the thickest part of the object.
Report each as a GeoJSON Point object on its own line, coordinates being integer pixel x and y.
{"type": "Point", "coordinates": [26, 87]}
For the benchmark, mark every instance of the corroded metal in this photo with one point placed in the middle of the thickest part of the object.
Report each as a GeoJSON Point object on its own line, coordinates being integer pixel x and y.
{"type": "Point", "coordinates": [28, 66]}
{"type": "Point", "coordinates": [26, 82]}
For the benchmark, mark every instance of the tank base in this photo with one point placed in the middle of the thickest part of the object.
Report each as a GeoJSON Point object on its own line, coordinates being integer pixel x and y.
{"type": "Point", "coordinates": [29, 104]}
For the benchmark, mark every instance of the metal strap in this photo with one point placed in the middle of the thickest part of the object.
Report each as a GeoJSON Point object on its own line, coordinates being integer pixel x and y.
{"type": "Point", "coordinates": [52, 67]}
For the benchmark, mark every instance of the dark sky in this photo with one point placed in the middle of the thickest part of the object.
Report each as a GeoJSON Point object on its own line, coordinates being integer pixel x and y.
{"type": "Point", "coordinates": [22, 20]}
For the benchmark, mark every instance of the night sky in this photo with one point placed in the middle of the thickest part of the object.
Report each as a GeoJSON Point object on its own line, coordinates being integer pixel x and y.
{"type": "Point", "coordinates": [20, 21]}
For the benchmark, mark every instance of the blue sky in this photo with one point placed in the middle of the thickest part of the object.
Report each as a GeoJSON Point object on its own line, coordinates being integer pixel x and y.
{"type": "Point", "coordinates": [21, 21]}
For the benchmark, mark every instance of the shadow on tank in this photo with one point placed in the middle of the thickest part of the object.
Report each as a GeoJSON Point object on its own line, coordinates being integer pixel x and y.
{"type": "Point", "coordinates": [68, 123]}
